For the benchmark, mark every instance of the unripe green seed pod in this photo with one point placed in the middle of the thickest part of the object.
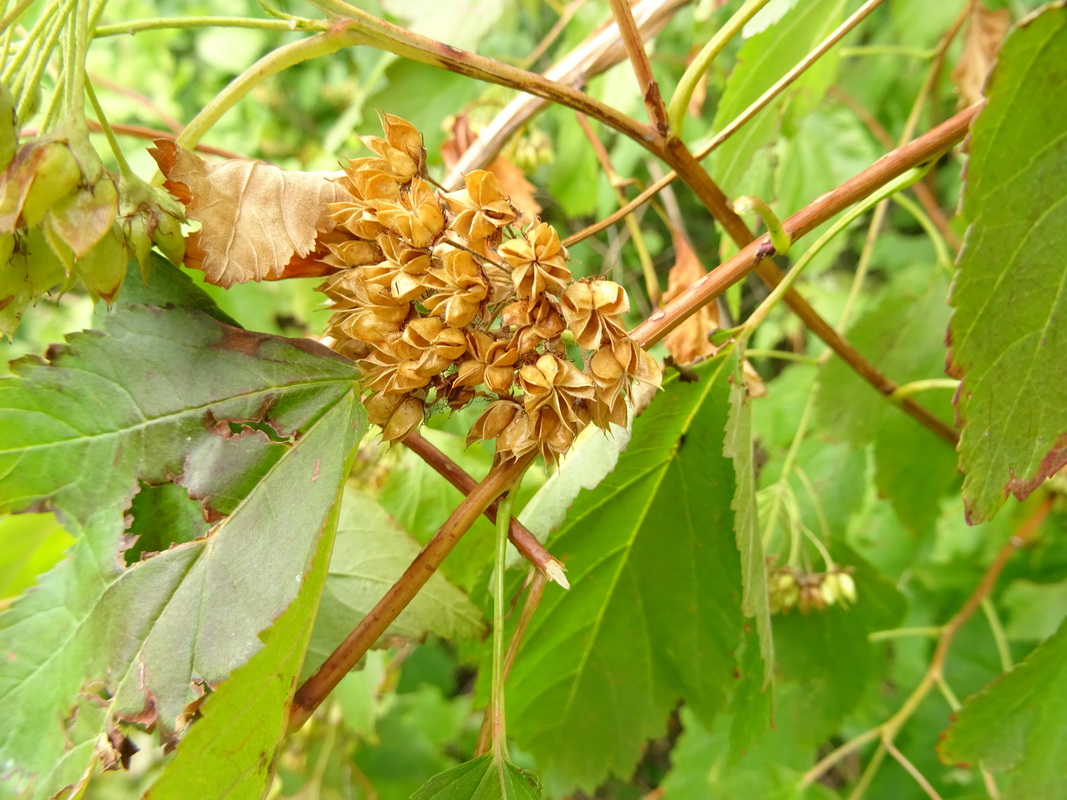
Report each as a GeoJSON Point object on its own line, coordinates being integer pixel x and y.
{"type": "Point", "coordinates": [57, 174]}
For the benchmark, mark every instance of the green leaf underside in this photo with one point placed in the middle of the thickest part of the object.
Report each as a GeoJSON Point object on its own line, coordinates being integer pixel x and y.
{"type": "Point", "coordinates": [484, 778]}
{"type": "Point", "coordinates": [148, 402]}
{"type": "Point", "coordinates": [738, 446]}
{"type": "Point", "coordinates": [764, 59]}
{"type": "Point", "coordinates": [1010, 295]}
{"type": "Point", "coordinates": [370, 554]}
{"type": "Point", "coordinates": [1014, 727]}
{"type": "Point", "coordinates": [230, 751]}
{"type": "Point", "coordinates": [654, 609]}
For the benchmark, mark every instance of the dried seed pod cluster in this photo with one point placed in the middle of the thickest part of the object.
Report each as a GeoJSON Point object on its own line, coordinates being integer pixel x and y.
{"type": "Point", "coordinates": [446, 297]}
{"type": "Point", "coordinates": [789, 588]}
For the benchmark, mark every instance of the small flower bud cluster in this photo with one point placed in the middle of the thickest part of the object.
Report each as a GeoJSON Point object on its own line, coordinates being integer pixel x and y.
{"type": "Point", "coordinates": [442, 298]}
{"type": "Point", "coordinates": [789, 588]}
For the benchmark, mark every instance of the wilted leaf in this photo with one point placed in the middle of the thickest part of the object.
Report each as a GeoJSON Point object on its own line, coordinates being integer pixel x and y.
{"type": "Point", "coordinates": [654, 609]}
{"type": "Point", "coordinates": [370, 554]}
{"type": "Point", "coordinates": [258, 222]}
{"type": "Point", "coordinates": [513, 183]}
{"type": "Point", "coordinates": [688, 342]}
{"type": "Point", "coordinates": [484, 778]}
{"type": "Point", "coordinates": [1014, 727]}
{"type": "Point", "coordinates": [145, 402]}
{"type": "Point", "coordinates": [985, 32]}
{"type": "Point", "coordinates": [1008, 335]}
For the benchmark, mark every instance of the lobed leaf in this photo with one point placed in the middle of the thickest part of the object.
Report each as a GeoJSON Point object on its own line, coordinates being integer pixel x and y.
{"type": "Point", "coordinates": [484, 778]}
{"type": "Point", "coordinates": [902, 337]}
{"type": "Point", "coordinates": [1014, 727]}
{"type": "Point", "coordinates": [371, 553]}
{"type": "Point", "coordinates": [653, 613]}
{"type": "Point", "coordinates": [763, 59]}
{"type": "Point", "coordinates": [1010, 296]}
{"type": "Point", "coordinates": [231, 751]}
{"type": "Point", "coordinates": [160, 396]}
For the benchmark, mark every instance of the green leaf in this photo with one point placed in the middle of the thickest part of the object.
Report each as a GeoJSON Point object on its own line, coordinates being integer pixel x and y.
{"type": "Point", "coordinates": [826, 653]}
{"type": "Point", "coordinates": [162, 395]}
{"type": "Point", "coordinates": [738, 446]}
{"type": "Point", "coordinates": [1014, 727]}
{"type": "Point", "coordinates": [654, 609]}
{"type": "Point", "coordinates": [903, 337]}
{"type": "Point", "coordinates": [371, 553]}
{"type": "Point", "coordinates": [764, 59]}
{"type": "Point", "coordinates": [1008, 335]}
{"type": "Point", "coordinates": [484, 778]}
{"type": "Point", "coordinates": [30, 544]}
{"type": "Point", "coordinates": [231, 751]}
{"type": "Point", "coordinates": [591, 458]}
{"type": "Point", "coordinates": [702, 763]}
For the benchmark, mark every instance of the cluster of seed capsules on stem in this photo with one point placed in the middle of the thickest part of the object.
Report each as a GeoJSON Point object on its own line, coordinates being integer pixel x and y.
{"type": "Point", "coordinates": [445, 297]}
{"type": "Point", "coordinates": [790, 588]}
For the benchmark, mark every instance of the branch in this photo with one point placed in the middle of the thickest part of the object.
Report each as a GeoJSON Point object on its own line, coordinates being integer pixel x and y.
{"type": "Point", "coordinates": [377, 33]}
{"type": "Point", "coordinates": [525, 542]}
{"type": "Point", "coordinates": [753, 258]}
{"type": "Point", "coordinates": [888, 730]}
{"type": "Point", "coordinates": [316, 688]}
{"type": "Point", "coordinates": [635, 49]}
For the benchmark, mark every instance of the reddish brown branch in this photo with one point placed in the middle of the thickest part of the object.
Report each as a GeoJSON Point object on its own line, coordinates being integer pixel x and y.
{"type": "Point", "coordinates": [316, 688]}
{"type": "Point", "coordinates": [922, 191]}
{"type": "Point", "coordinates": [525, 542]}
{"type": "Point", "coordinates": [715, 201]}
{"type": "Point", "coordinates": [752, 257]}
{"type": "Point", "coordinates": [635, 49]}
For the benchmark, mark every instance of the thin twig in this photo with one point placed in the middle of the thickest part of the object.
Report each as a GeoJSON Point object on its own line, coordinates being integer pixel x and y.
{"type": "Point", "coordinates": [635, 49]}
{"type": "Point", "coordinates": [753, 257]}
{"type": "Point", "coordinates": [525, 542]}
{"type": "Point", "coordinates": [529, 606]}
{"type": "Point", "coordinates": [316, 688]}
{"type": "Point", "coordinates": [888, 730]}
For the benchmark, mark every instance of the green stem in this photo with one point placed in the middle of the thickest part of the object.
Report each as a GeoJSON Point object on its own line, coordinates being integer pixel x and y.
{"type": "Point", "coordinates": [683, 93]}
{"type": "Point", "coordinates": [847, 219]}
{"type": "Point", "coordinates": [183, 23]}
{"type": "Point", "coordinates": [999, 637]}
{"type": "Point", "coordinates": [908, 389]}
{"type": "Point", "coordinates": [496, 702]}
{"type": "Point", "coordinates": [784, 355]}
{"type": "Point", "coordinates": [322, 44]}
{"type": "Point", "coordinates": [779, 236]}
{"type": "Point", "coordinates": [944, 258]}
{"type": "Point", "coordinates": [900, 633]}
{"type": "Point", "coordinates": [105, 126]}
{"type": "Point", "coordinates": [9, 19]}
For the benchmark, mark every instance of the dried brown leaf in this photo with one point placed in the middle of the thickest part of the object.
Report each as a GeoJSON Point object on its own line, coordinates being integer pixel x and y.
{"type": "Point", "coordinates": [985, 32]}
{"type": "Point", "coordinates": [258, 222]}
{"type": "Point", "coordinates": [513, 183]}
{"type": "Point", "coordinates": [688, 342]}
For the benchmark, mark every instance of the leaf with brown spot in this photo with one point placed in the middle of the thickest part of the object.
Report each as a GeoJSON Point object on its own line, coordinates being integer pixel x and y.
{"type": "Point", "coordinates": [258, 222]}
{"type": "Point", "coordinates": [688, 342]}
{"type": "Point", "coordinates": [985, 31]}
{"type": "Point", "coordinates": [161, 396]}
